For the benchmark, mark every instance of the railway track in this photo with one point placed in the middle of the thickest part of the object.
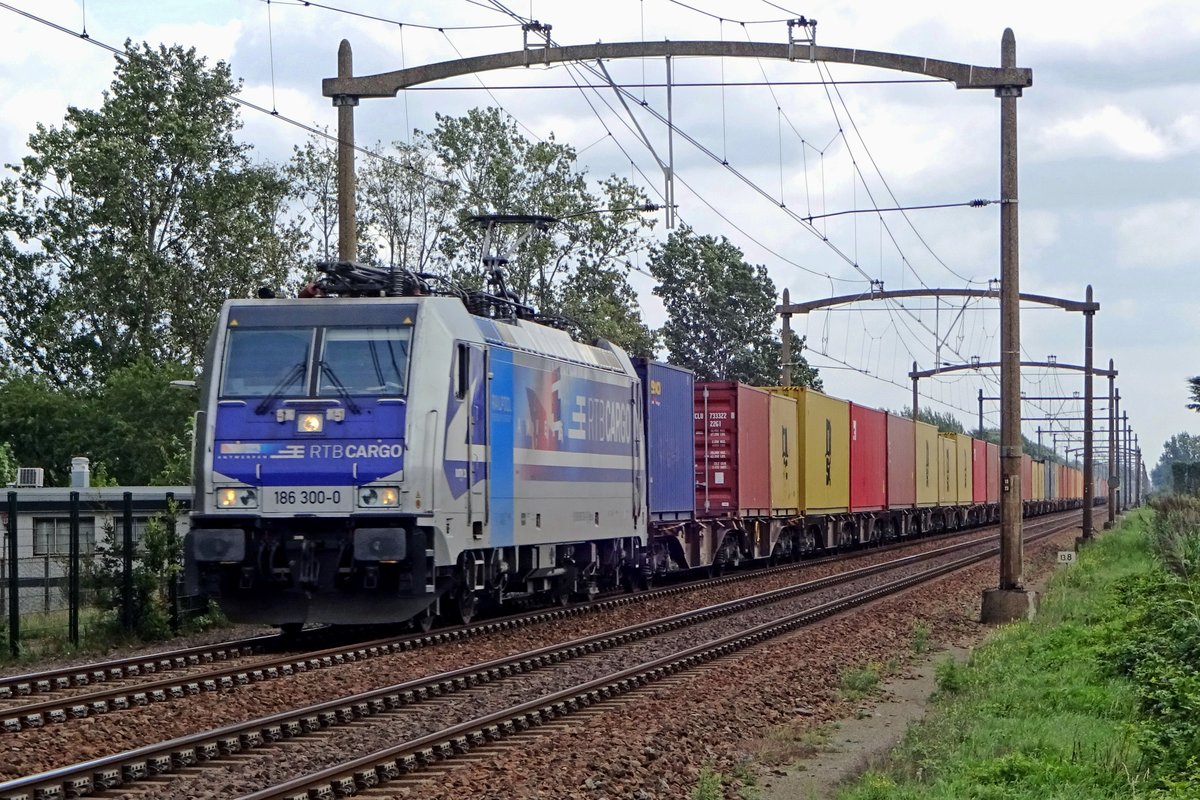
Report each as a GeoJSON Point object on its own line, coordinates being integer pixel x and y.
{"type": "Point", "coordinates": [60, 696]}
{"type": "Point", "coordinates": [460, 693]}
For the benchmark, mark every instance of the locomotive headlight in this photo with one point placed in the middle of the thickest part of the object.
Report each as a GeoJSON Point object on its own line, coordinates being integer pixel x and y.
{"type": "Point", "coordinates": [237, 497]}
{"type": "Point", "coordinates": [310, 423]}
{"type": "Point", "coordinates": [378, 497]}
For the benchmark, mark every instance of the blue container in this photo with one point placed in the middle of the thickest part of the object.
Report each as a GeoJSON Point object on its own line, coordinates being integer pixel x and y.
{"type": "Point", "coordinates": [670, 441]}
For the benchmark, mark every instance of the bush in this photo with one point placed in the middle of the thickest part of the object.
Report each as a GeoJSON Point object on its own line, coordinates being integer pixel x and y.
{"type": "Point", "coordinates": [1175, 534]}
{"type": "Point", "coordinates": [1159, 650]}
{"type": "Point", "coordinates": [157, 563]}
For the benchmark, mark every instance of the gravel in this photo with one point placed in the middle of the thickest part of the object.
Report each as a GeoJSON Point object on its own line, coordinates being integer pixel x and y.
{"type": "Point", "coordinates": [739, 705]}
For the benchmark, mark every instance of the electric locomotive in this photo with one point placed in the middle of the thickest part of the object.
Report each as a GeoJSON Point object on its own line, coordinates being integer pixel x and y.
{"type": "Point", "coordinates": [382, 451]}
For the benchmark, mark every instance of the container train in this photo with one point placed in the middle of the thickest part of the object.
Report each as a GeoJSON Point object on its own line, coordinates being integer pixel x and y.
{"type": "Point", "coordinates": [384, 449]}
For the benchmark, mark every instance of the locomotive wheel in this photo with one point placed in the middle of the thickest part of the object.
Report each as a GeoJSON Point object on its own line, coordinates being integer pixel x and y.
{"type": "Point", "coordinates": [466, 604]}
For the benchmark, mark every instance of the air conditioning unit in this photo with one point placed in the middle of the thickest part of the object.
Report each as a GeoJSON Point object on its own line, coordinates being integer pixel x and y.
{"type": "Point", "coordinates": [30, 477]}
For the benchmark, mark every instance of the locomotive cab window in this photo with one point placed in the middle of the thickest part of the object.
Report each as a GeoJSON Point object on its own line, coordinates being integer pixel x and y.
{"type": "Point", "coordinates": [364, 361]}
{"type": "Point", "coordinates": [267, 361]}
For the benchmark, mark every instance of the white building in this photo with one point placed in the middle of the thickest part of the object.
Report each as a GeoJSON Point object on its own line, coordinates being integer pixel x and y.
{"type": "Point", "coordinates": [43, 517]}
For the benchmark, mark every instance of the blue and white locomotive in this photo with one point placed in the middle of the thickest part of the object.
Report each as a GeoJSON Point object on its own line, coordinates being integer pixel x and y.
{"type": "Point", "coordinates": [390, 454]}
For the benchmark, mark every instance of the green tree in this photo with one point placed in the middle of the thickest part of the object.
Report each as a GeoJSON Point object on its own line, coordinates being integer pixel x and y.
{"type": "Point", "coordinates": [45, 425]}
{"type": "Point", "coordinates": [135, 427]}
{"type": "Point", "coordinates": [407, 206]}
{"type": "Point", "coordinates": [943, 420]}
{"type": "Point", "coordinates": [497, 170]}
{"type": "Point", "coordinates": [143, 424]}
{"type": "Point", "coordinates": [8, 464]}
{"type": "Point", "coordinates": [312, 176]}
{"type": "Point", "coordinates": [721, 312]}
{"type": "Point", "coordinates": [599, 303]}
{"type": "Point", "coordinates": [1182, 448]}
{"type": "Point", "coordinates": [1194, 386]}
{"type": "Point", "coordinates": [129, 225]}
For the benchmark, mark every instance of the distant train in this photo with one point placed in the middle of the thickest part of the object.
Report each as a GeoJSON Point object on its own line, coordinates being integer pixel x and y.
{"type": "Point", "coordinates": [394, 453]}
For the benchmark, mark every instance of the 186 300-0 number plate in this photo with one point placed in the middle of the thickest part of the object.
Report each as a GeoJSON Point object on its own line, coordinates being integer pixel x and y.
{"type": "Point", "coordinates": [308, 499]}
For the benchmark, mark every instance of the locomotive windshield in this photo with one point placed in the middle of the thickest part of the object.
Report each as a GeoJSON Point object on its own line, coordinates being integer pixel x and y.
{"type": "Point", "coordinates": [363, 361]}
{"type": "Point", "coordinates": [262, 361]}
{"type": "Point", "coordinates": [277, 363]}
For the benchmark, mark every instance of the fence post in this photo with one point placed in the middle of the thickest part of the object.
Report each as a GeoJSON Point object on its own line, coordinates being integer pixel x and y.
{"type": "Point", "coordinates": [127, 619]}
{"type": "Point", "coordinates": [14, 574]}
{"type": "Point", "coordinates": [173, 578]}
{"type": "Point", "coordinates": [73, 574]}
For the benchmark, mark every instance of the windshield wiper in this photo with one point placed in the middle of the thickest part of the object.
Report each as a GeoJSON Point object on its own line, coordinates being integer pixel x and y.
{"type": "Point", "coordinates": [341, 387]}
{"type": "Point", "coordinates": [265, 404]}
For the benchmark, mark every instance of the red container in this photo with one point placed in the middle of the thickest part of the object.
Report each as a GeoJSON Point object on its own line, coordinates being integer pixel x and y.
{"type": "Point", "coordinates": [901, 462]}
{"type": "Point", "coordinates": [1026, 476]}
{"type": "Point", "coordinates": [868, 458]}
{"type": "Point", "coordinates": [733, 456]}
{"type": "Point", "coordinates": [993, 472]}
{"type": "Point", "coordinates": [978, 471]}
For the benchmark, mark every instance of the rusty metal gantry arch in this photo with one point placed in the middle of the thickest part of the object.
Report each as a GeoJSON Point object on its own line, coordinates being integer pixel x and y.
{"type": "Point", "coordinates": [1010, 600]}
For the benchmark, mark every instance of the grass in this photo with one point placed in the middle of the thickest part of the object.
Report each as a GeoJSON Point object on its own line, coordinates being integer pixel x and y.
{"type": "Point", "coordinates": [711, 784]}
{"type": "Point", "coordinates": [858, 682]}
{"type": "Point", "coordinates": [44, 634]}
{"type": "Point", "coordinates": [788, 743]}
{"type": "Point", "coordinates": [1037, 713]}
{"type": "Point", "coordinates": [921, 638]}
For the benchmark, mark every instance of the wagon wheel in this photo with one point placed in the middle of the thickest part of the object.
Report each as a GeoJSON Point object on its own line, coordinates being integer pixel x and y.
{"type": "Point", "coordinates": [560, 589]}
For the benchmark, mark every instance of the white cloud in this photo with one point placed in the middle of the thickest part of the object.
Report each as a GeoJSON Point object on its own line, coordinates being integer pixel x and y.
{"type": "Point", "coordinates": [1160, 237]}
{"type": "Point", "coordinates": [216, 42]}
{"type": "Point", "coordinates": [1110, 130]}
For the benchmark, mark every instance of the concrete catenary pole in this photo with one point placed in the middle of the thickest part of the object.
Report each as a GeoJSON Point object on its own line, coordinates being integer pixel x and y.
{"type": "Point", "coordinates": [981, 413]}
{"type": "Point", "coordinates": [347, 204]}
{"type": "Point", "coordinates": [1137, 471]}
{"type": "Point", "coordinates": [1126, 465]}
{"type": "Point", "coordinates": [1116, 437]}
{"type": "Point", "coordinates": [1137, 449]}
{"type": "Point", "coordinates": [1009, 601]}
{"type": "Point", "coordinates": [914, 380]}
{"type": "Point", "coordinates": [1089, 490]}
{"type": "Point", "coordinates": [786, 350]}
{"type": "Point", "coordinates": [1112, 446]}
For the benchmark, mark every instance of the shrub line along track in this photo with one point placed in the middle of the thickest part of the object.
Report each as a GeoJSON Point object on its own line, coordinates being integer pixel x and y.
{"type": "Point", "coordinates": [63, 709]}
{"type": "Point", "coordinates": [157, 760]}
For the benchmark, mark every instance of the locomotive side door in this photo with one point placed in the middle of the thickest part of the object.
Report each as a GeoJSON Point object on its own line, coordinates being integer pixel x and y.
{"type": "Point", "coordinates": [473, 361]}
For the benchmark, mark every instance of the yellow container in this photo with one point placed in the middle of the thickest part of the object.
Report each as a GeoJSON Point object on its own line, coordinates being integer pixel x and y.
{"type": "Point", "coordinates": [785, 456]}
{"type": "Point", "coordinates": [824, 426]}
{"type": "Point", "coordinates": [928, 449]}
{"type": "Point", "coordinates": [1039, 480]}
{"type": "Point", "coordinates": [962, 443]}
{"type": "Point", "coordinates": [947, 484]}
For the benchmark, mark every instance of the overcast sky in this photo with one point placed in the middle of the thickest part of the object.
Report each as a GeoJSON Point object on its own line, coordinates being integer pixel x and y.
{"type": "Point", "coordinates": [1109, 156]}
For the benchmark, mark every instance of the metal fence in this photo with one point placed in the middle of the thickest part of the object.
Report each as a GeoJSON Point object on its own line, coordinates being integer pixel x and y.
{"type": "Point", "coordinates": [89, 573]}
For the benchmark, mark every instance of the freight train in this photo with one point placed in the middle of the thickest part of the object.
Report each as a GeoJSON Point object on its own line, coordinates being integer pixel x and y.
{"type": "Point", "coordinates": [384, 448]}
